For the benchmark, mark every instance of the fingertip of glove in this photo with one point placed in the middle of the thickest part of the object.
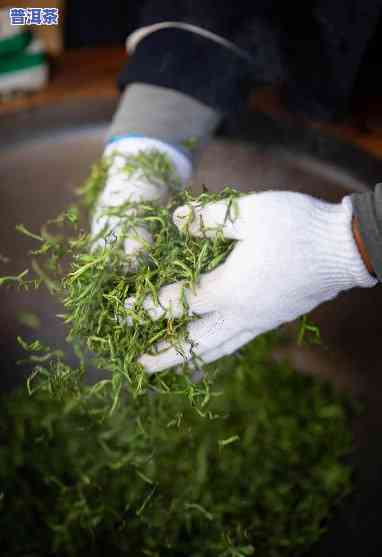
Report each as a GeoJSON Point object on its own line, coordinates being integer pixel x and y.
{"type": "Point", "coordinates": [182, 216]}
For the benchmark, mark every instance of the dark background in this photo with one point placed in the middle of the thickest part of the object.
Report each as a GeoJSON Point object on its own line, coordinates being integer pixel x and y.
{"type": "Point", "coordinates": [97, 23]}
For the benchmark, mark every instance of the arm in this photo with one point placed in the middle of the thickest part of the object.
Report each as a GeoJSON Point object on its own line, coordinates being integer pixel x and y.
{"type": "Point", "coordinates": [159, 112]}
{"type": "Point", "coordinates": [149, 118]}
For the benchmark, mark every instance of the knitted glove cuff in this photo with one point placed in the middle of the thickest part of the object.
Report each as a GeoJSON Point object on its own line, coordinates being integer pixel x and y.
{"type": "Point", "coordinates": [340, 263]}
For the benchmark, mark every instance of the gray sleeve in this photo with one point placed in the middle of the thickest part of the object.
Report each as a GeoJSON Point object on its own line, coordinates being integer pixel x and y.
{"type": "Point", "coordinates": [368, 212]}
{"type": "Point", "coordinates": [164, 114]}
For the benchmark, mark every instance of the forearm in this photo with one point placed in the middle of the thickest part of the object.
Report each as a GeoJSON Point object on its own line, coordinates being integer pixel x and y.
{"type": "Point", "coordinates": [165, 115]}
{"type": "Point", "coordinates": [183, 73]}
{"type": "Point", "coordinates": [192, 56]}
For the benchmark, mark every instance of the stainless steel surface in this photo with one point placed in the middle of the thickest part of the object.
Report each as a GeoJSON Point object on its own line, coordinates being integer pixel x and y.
{"type": "Point", "coordinates": [45, 154]}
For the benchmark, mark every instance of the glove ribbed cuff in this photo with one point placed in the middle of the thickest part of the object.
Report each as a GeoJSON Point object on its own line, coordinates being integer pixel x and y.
{"type": "Point", "coordinates": [340, 263]}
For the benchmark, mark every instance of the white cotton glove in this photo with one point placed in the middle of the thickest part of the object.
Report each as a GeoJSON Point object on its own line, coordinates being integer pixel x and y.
{"type": "Point", "coordinates": [121, 188]}
{"type": "Point", "coordinates": [293, 252]}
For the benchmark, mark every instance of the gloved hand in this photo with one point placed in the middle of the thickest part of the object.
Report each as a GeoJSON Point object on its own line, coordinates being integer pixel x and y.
{"type": "Point", "coordinates": [293, 252]}
{"type": "Point", "coordinates": [138, 185]}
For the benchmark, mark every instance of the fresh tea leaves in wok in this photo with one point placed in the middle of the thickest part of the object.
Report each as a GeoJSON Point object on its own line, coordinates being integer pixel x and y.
{"type": "Point", "coordinates": [88, 470]}
{"type": "Point", "coordinates": [157, 479]}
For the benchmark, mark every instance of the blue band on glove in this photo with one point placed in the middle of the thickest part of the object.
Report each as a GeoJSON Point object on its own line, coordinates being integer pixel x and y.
{"type": "Point", "coordinates": [181, 150]}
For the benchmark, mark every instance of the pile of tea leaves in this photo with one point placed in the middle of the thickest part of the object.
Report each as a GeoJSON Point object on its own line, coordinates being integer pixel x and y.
{"type": "Point", "coordinates": [94, 281]}
{"type": "Point", "coordinates": [157, 479]}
